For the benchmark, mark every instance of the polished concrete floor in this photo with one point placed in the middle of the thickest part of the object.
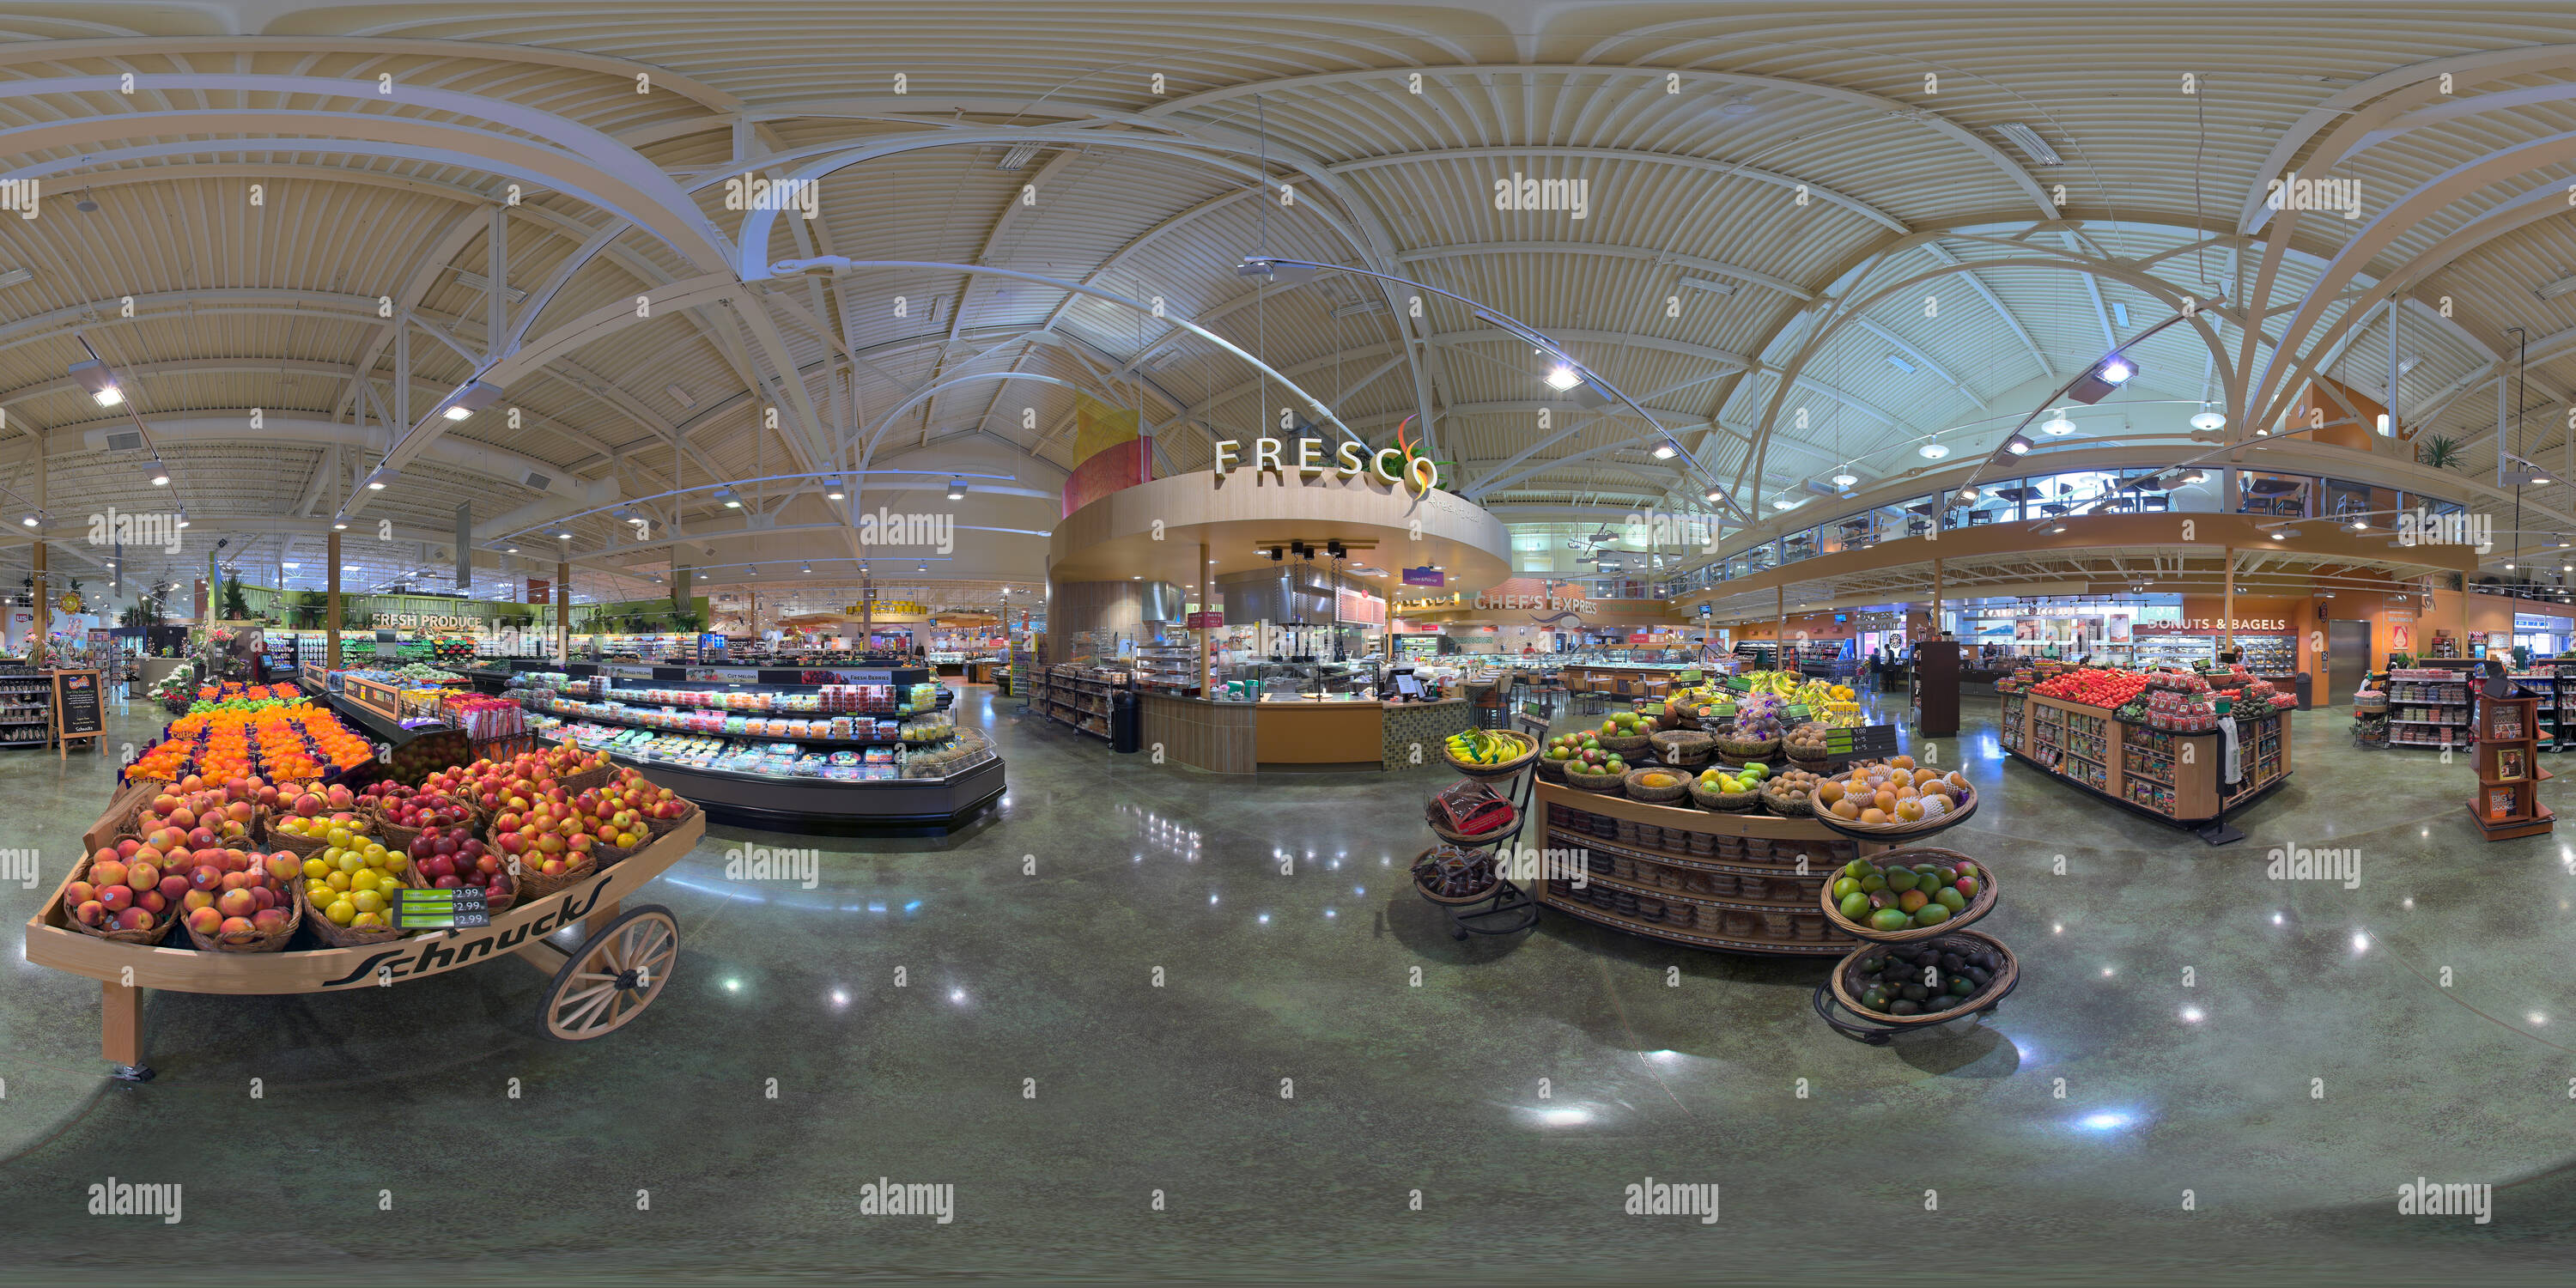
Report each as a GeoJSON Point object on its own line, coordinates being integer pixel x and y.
{"type": "Point", "coordinates": [1160, 1025]}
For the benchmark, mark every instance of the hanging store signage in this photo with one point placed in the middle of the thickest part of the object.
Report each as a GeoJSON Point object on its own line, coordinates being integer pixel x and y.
{"type": "Point", "coordinates": [890, 608]}
{"type": "Point", "coordinates": [1425, 577]}
{"type": "Point", "coordinates": [2206, 625]}
{"type": "Point", "coordinates": [1305, 456]}
{"type": "Point", "coordinates": [429, 622]}
{"type": "Point", "coordinates": [1205, 621]}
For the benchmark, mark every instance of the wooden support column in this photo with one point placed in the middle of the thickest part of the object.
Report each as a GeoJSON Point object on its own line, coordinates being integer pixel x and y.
{"type": "Point", "coordinates": [2227, 609]}
{"type": "Point", "coordinates": [331, 610]}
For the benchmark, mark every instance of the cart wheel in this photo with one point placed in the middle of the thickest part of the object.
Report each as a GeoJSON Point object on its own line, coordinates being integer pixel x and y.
{"type": "Point", "coordinates": [613, 976]}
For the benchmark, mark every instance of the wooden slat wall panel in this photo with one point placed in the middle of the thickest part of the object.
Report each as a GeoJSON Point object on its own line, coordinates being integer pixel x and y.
{"type": "Point", "coordinates": [1215, 736]}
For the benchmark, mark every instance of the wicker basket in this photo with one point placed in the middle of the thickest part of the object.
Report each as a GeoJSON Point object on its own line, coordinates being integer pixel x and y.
{"type": "Point", "coordinates": [302, 847]}
{"type": "Point", "coordinates": [1578, 776]}
{"type": "Point", "coordinates": [1784, 806]}
{"type": "Point", "coordinates": [339, 936]}
{"type": "Point", "coordinates": [1497, 769]}
{"type": "Point", "coordinates": [1741, 751]}
{"type": "Point", "coordinates": [1977, 907]}
{"type": "Point", "coordinates": [1627, 744]}
{"type": "Point", "coordinates": [1729, 802]}
{"type": "Point", "coordinates": [1638, 791]}
{"type": "Point", "coordinates": [1471, 840]}
{"type": "Point", "coordinates": [1920, 827]}
{"type": "Point", "coordinates": [662, 827]}
{"type": "Point", "coordinates": [1683, 747]}
{"type": "Point", "coordinates": [268, 943]}
{"type": "Point", "coordinates": [1847, 973]}
{"type": "Point", "coordinates": [148, 936]}
{"type": "Point", "coordinates": [1449, 900]}
{"type": "Point", "coordinates": [576, 784]}
{"type": "Point", "coordinates": [537, 885]}
{"type": "Point", "coordinates": [1552, 770]}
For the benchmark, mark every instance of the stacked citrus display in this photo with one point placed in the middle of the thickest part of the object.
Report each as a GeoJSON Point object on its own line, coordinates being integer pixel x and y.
{"type": "Point", "coordinates": [354, 879]}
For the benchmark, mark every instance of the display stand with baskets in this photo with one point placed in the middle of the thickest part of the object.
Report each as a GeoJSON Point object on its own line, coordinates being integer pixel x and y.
{"type": "Point", "coordinates": [2370, 715]}
{"type": "Point", "coordinates": [597, 986]}
{"type": "Point", "coordinates": [1840, 1003]}
{"type": "Point", "coordinates": [1471, 882]}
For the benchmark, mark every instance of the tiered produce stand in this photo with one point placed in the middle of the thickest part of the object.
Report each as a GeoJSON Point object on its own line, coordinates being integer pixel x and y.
{"type": "Point", "coordinates": [1468, 873]}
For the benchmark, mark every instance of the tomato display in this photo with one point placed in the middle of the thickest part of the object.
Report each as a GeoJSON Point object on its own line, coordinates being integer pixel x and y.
{"type": "Point", "coordinates": [2094, 687]}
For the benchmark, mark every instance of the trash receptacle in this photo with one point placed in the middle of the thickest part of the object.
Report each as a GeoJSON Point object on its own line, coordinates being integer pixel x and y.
{"type": "Point", "coordinates": [1126, 721]}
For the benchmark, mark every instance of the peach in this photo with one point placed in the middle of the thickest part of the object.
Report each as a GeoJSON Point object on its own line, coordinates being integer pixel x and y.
{"type": "Point", "coordinates": [196, 899]}
{"type": "Point", "coordinates": [107, 874]}
{"type": "Point", "coordinates": [236, 903]}
{"type": "Point", "coordinates": [204, 921]}
{"type": "Point", "coordinates": [238, 928]}
{"type": "Point", "coordinates": [164, 803]}
{"type": "Point", "coordinates": [141, 876]}
{"type": "Point", "coordinates": [173, 887]}
{"type": "Point", "coordinates": [269, 920]}
{"type": "Point", "coordinates": [151, 901]}
{"type": "Point", "coordinates": [90, 912]}
{"type": "Point", "coordinates": [205, 877]}
{"type": "Point", "coordinates": [127, 848]}
{"type": "Point", "coordinates": [134, 919]}
{"type": "Point", "coordinates": [79, 892]}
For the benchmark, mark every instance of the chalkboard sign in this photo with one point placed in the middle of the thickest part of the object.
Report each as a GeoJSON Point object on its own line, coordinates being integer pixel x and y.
{"type": "Point", "coordinates": [77, 712]}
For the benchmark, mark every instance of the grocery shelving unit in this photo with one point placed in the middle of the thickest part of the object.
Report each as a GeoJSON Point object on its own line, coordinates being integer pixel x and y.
{"type": "Point", "coordinates": [1075, 696]}
{"type": "Point", "coordinates": [26, 706]}
{"type": "Point", "coordinates": [2166, 775]}
{"type": "Point", "coordinates": [2425, 711]}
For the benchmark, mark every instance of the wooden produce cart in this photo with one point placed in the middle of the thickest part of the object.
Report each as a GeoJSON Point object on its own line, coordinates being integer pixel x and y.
{"type": "Point", "coordinates": [621, 964]}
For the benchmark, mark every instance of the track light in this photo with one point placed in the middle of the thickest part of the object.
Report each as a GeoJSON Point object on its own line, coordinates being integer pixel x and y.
{"type": "Point", "coordinates": [956, 489]}
{"type": "Point", "coordinates": [473, 397]}
{"type": "Point", "coordinates": [1663, 451]}
{"type": "Point", "coordinates": [383, 475]}
{"type": "Point", "coordinates": [1563, 376]}
{"type": "Point", "coordinates": [339, 524]}
{"type": "Point", "coordinates": [1967, 494]}
{"type": "Point", "coordinates": [101, 382]}
{"type": "Point", "coordinates": [832, 489]}
{"type": "Point", "coordinates": [2018, 445]}
{"type": "Point", "coordinates": [155, 473]}
{"type": "Point", "coordinates": [33, 521]}
{"type": "Point", "coordinates": [2106, 376]}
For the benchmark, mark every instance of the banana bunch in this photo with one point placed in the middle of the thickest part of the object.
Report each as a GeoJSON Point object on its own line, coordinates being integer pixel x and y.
{"type": "Point", "coordinates": [1484, 747]}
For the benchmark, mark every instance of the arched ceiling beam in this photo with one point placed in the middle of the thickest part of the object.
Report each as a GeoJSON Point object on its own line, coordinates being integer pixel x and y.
{"type": "Point", "coordinates": [1472, 250]}
{"type": "Point", "coordinates": [1699, 164]}
{"type": "Point", "coordinates": [126, 48]}
{"type": "Point", "coordinates": [2400, 218]}
{"type": "Point", "coordinates": [602, 171]}
{"type": "Point", "coordinates": [1897, 109]}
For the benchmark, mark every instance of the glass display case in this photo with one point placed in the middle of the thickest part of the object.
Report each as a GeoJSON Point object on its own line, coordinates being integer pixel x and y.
{"type": "Point", "coordinates": [1299, 682]}
{"type": "Point", "coordinates": [865, 747]}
